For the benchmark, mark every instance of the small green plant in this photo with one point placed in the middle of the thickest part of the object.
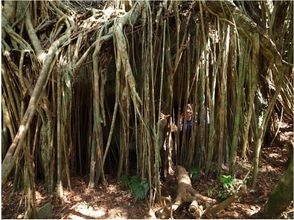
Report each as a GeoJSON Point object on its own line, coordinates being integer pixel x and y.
{"type": "Point", "coordinates": [194, 173]}
{"type": "Point", "coordinates": [227, 186]}
{"type": "Point", "coordinates": [227, 181]}
{"type": "Point", "coordinates": [125, 181]}
{"type": "Point", "coordinates": [139, 189]}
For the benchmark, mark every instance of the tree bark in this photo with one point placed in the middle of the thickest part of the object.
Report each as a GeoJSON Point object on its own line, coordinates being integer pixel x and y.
{"type": "Point", "coordinates": [246, 26]}
{"type": "Point", "coordinates": [10, 158]}
{"type": "Point", "coordinates": [282, 195]}
{"type": "Point", "coordinates": [186, 194]}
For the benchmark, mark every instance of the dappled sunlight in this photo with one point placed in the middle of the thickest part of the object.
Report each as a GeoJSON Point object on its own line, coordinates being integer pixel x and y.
{"type": "Point", "coordinates": [274, 155]}
{"type": "Point", "coordinates": [42, 56]}
{"type": "Point", "coordinates": [86, 211]}
{"type": "Point", "coordinates": [117, 213]}
{"type": "Point", "coordinates": [39, 197]}
{"type": "Point", "coordinates": [73, 216]}
{"type": "Point", "coordinates": [111, 12]}
{"type": "Point", "coordinates": [272, 162]}
{"type": "Point", "coordinates": [252, 209]}
{"type": "Point", "coordinates": [288, 136]}
{"type": "Point", "coordinates": [67, 195]}
{"type": "Point", "coordinates": [77, 198]}
{"type": "Point", "coordinates": [111, 201]}
{"type": "Point", "coordinates": [238, 210]}
{"type": "Point", "coordinates": [267, 168]}
{"type": "Point", "coordinates": [111, 188]}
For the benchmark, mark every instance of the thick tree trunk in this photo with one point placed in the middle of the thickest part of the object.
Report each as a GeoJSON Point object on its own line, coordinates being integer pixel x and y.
{"type": "Point", "coordinates": [282, 195]}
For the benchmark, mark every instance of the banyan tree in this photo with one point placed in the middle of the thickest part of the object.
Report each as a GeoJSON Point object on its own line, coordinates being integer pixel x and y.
{"type": "Point", "coordinates": [94, 87]}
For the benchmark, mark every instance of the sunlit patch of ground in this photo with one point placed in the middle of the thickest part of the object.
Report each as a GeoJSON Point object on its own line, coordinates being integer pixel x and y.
{"type": "Point", "coordinates": [111, 201]}
{"type": "Point", "coordinates": [83, 210]}
{"type": "Point", "coordinates": [107, 202]}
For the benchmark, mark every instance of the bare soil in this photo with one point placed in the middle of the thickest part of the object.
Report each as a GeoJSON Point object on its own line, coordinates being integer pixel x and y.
{"type": "Point", "coordinates": [114, 201]}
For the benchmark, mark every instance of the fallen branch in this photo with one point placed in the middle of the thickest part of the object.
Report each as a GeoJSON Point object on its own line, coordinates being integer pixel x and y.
{"type": "Point", "coordinates": [185, 194]}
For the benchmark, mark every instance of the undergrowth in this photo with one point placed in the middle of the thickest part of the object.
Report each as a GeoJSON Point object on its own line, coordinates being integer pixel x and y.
{"type": "Point", "coordinates": [138, 188]}
{"type": "Point", "coordinates": [228, 187]}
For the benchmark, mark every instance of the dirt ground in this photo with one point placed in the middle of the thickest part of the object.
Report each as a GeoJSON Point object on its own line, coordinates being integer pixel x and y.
{"type": "Point", "coordinates": [114, 201]}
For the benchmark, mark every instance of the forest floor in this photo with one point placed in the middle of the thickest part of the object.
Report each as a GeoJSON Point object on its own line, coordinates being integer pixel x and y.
{"type": "Point", "coordinates": [114, 201]}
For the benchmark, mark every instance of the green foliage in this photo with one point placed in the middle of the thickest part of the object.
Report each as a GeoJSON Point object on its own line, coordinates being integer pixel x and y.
{"type": "Point", "coordinates": [139, 189]}
{"type": "Point", "coordinates": [229, 186]}
{"type": "Point", "coordinates": [125, 181]}
{"type": "Point", "coordinates": [227, 181]}
{"type": "Point", "coordinates": [194, 173]}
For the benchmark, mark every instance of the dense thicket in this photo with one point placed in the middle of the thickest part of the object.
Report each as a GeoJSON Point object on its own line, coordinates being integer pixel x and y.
{"type": "Point", "coordinates": [84, 84]}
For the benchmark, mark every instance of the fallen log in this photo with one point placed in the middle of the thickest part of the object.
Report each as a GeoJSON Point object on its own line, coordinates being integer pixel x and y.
{"type": "Point", "coordinates": [185, 194]}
